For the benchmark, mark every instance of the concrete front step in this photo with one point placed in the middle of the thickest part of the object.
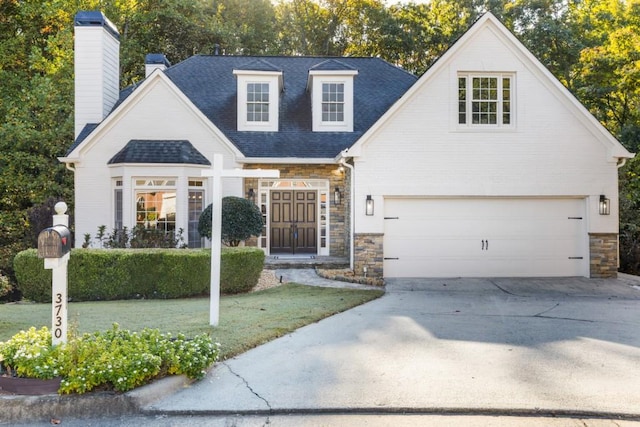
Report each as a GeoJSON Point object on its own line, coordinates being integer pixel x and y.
{"type": "Point", "coordinates": [273, 262]}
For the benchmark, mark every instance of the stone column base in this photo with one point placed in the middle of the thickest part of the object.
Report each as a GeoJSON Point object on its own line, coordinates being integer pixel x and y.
{"type": "Point", "coordinates": [603, 255]}
{"type": "Point", "coordinates": [368, 253]}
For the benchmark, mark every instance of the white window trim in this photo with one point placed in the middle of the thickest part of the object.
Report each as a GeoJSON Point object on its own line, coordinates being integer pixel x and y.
{"type": "Point", "coordinates": [318, 80]}
{"type": "Point", "coordinates": [117, 186]}
{"type": "Point", "coordinates": [469, 126]}
{"type": "Point", "coordinates": [273, 79]}
{"type": "Point", "coordinates": [195, 185]}
{"type": "Point", "coordinates": [320, 185]}
{"type": "Point", "coordinates": [160, 184]}
{"type": "Point", "coordinates": [180, 173]}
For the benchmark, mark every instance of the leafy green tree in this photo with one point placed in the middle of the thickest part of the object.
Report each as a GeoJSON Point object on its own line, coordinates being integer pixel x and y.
{"type": "Point", "coordinates": [248, 26]}
{"type": "Point", "coordinates": [241, 219]}
{"type": "Point", "coordinates": [425, 31]}
{"type": "Point", "coordinates": [36, 101]}
{"type": "Point", "coordinates": [35, 115]}
{"type": "Point", "coordinates": [303, 28]}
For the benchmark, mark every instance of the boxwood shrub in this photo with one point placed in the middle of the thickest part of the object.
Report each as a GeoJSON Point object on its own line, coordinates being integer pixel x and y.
{"type": "Point", "coordinates": [109, 274]}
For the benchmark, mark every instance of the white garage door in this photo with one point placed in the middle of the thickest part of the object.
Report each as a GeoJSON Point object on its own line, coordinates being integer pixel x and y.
{"type": "Point", "coordinates": [483, 237]}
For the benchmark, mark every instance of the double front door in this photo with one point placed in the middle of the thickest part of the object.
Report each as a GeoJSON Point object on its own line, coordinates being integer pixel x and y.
{"type": "Point", "coordinates": [294, 222]}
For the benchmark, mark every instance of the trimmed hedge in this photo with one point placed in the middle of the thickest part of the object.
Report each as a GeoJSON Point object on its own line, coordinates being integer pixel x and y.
{"type": "Point", "coordinates": [110, 274]}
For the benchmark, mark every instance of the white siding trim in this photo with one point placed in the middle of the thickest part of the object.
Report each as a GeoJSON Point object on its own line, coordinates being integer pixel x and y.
{"type": "Point", "coordinates": [615, 150]}
{"type": "Point", "coordinates": [272, 79]}
{"type": "Point", "coordinates": [122, 109]}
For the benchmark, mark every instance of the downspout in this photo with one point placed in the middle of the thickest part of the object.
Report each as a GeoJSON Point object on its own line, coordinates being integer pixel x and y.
{"type": "Point", "coordinates": [621, 162]}
{"type": "Point", "coordinates": [352, 210]}
{"type": "Point", "coordinates": [70, 166]}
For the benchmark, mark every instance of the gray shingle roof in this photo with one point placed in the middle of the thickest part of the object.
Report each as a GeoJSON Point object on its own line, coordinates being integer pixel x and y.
{"type": "Point", "coordinates": [208, 81]}
{"type": "Point", "coordinates": [331, 65]}
{"type": "Point", "coordinates": [260, 65]}
{"type": "Point", "coordinates": [153, 151]}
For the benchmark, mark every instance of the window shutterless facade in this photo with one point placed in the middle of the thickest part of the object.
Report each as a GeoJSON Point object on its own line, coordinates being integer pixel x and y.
{"type": "Point", "coordinates": [196, 206]}
{"type": "Point", "coordinates": [485, 100]}
{"type": "Point", "coordinates": [156, 203]}
{"type": "Point", "coordinates": [257, 102]}
{"type": "Point", "coordinates": [117, 204]}
{"type": "Point", "coordinates": [333, 102]}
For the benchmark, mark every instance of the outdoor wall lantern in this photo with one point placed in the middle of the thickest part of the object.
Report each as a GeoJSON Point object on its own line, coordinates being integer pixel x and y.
{"type": "Point", "coordinates": [605, 205]}
{"type": "Point", "coordinates": [251, 195]}
{"type": "Point", "coordinates": [337, 196]}
{"type": "Point", "coordinates": [369, 206]}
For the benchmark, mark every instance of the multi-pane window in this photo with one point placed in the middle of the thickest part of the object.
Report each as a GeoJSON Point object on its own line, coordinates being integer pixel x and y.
{"type": "Point", "coordinates": [196, 206]}
{"type": "Point", "coordinates": [333, 102]}
{"type": "Point", "coordinates": [117, 205]}
{"type": "Point", "coordinates": [485, 100]}
{"type": "Point", "coordinates": [258, 102]}
{"type": "Point", "coordinates": [156, 203]}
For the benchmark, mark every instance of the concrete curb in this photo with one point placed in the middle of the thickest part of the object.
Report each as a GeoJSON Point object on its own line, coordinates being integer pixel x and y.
{"type": "Point", "coordinates": [512, 412]}
{"type": "Point", "coordinates": [17, 408]}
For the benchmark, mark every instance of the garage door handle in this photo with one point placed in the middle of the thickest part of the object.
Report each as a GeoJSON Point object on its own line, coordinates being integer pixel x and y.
{"type": "Point", "coordinates": [485, 245]}
{"type": "Point", "coordinates": [387, 258]}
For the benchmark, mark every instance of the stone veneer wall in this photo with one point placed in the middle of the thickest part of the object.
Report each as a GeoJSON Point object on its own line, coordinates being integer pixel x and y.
{"type": "Point", "coordinates": [368, 253]}
{"type": "Point", "coordinates": [603, 258]}
{"type": "Point", "coordinates": [339, 215]}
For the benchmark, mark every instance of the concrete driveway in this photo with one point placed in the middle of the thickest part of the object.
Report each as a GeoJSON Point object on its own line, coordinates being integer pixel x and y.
{"type": "Point", "coordinates": [466, 346]}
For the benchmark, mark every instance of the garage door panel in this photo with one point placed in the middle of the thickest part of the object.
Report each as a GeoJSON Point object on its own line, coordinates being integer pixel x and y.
{"type": "Point", "coordinates": [432, 247]}
{"type": "Point", "coordinates": [485, 237]}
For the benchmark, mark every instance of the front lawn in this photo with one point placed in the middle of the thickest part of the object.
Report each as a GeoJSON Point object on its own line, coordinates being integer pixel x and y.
{"type": "Point", "coordinates": [246, 320]}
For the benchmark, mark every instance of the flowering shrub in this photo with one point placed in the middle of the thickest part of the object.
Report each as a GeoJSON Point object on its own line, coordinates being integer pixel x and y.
{"type": "Point", "coordinates": [117, 359]}
{"type": "Point", "coordinates": [5, 285]}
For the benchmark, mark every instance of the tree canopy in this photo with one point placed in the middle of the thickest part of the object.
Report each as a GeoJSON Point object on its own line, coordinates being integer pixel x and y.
{"type": "Point", "coordinates": [591, 46]}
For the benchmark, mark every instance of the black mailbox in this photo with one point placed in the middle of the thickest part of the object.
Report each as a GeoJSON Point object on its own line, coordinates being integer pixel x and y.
{"type": "Point", "coordinates": [54, 242]}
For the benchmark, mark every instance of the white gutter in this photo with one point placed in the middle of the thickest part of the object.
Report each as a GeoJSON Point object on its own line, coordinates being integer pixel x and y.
{"type": "Point", "coordinates": [68, 163]}
{"type": "Point", "coordinates": [286, 160]}
{"type": "Point", "coordinates": [351, 208]}
{"type": "Point", "coordinates": [621, 162]}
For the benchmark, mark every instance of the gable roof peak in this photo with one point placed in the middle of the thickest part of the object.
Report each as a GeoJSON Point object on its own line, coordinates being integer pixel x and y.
{"type": "Point", "coordinates": [332, 65]}
{"type": "Point", "coordinates": [259, 64]}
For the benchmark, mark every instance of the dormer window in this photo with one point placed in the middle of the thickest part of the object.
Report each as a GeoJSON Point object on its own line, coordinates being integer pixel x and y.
{"type": "Point", "coordinates": [331, 87]}
{"type": "Point", "coordinates": [333, 102]}
{"type": "Point", "coordinates": [259, 87]}
{"type": "Point", "coordinates": [258, 102]}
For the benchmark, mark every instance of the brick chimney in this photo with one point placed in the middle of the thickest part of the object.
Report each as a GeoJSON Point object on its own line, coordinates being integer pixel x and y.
{"type": "Point", "coordinates": [155, 61]}
{"type": "Point", "coordinates": [97, 68]}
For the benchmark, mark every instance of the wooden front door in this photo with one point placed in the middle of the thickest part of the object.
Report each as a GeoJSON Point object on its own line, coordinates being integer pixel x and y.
{"type": "Point", "coordinates": [294, 223]}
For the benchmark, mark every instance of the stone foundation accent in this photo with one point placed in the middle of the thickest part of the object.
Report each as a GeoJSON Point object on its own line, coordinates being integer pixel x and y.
{"type": "Point", "coordinates": [603, 259]}
{"type": "Point", "coordinates": [368, 253]}
{"type": "Point", "coordinates": [339, 214]}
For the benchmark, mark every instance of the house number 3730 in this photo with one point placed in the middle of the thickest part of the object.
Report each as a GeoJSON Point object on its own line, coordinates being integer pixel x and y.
{"type": "Point", "coordinates": [57, 325]}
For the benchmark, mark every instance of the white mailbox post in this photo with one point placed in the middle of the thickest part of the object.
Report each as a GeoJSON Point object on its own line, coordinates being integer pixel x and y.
{"type": "Point", "coordinates": [217, 173]}
{"type": "Point", "coordinates": [54, 245]}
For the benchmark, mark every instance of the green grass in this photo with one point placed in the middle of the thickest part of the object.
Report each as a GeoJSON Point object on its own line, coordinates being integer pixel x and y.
{"type": "Point", "coordinates": [246, 320]}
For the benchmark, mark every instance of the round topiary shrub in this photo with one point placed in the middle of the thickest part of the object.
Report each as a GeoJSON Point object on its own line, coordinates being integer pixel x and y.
{"type": "Point", "coordinates": [241, 219]}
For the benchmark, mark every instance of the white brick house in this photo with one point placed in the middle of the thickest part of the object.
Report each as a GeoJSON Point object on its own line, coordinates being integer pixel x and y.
{"type": "Point", "coordinates": [484, 166]}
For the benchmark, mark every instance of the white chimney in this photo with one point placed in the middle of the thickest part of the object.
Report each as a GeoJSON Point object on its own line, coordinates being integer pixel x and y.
{"type": "Point", "coordinates": [97, 68]}
{"type": "Point", "coordinates": [155, 61]}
